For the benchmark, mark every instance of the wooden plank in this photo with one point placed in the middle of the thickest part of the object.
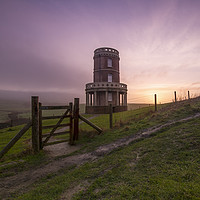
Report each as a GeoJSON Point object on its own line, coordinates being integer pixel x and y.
{"type": "Point", "coordinates": [15, 139]}
{"type": "Point", "coordinates": [58, 133]}
{"type": "Point", "coordinates": [52, 126]}
{"type": "Point", "coordinates": [54, 117]}
{"type": "Point", "coordinates": [55, 127]}
{"type": "Point", "coordinates": [54, 107]}
{"type": "Point", "coordinates": [90, 123]}
{"type": "Point", "coordinates": [56, 142]}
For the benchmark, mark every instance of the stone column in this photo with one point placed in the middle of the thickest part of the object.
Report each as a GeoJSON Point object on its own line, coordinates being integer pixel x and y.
{"type": "Point", "coordinates": [117, 98]}
{"type": "Point", "coordinates": [95, 99]}
{"type": "Point", "coordinates": [125, 99]}
{"type": "Point", "coordinates": [106, 98]}
{"type": "Point", "coordinates": [87, 99]}
{"type": "Point", "coordinates": [122, 99]}
{"type": "Point", "coordinates": [90, 99]}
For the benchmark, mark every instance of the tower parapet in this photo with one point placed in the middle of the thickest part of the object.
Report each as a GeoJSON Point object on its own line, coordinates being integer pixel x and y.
{"type": "Point", "coordinates": [106, 51]}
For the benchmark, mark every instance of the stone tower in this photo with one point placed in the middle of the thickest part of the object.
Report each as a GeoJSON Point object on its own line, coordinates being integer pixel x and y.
{"type": "Point", "coordinates": [106, 87]}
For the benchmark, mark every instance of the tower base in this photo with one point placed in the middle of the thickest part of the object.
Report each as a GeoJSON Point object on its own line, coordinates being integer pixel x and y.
{"type": "Point", "coordinates": [104, 109]}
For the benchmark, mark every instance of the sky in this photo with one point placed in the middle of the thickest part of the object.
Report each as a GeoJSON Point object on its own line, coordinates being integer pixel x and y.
{"type": "Point", "coordinates": [48, 45]}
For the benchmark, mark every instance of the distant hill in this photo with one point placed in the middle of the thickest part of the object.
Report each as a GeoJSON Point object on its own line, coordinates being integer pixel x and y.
{"type": "Point", "coordinates": [18, 103]}
{"type": "Point", "coordinates": [45, 97]}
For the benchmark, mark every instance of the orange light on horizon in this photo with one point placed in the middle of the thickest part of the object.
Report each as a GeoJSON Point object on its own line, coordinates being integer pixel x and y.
{"type": "Point", "coordinates": [164, 93]}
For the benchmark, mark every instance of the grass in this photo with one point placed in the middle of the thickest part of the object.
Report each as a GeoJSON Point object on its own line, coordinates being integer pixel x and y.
{"type": "Point", "coordinates": [22, 148]}
{"type": "Point", "coordinates": [23, 145]}
{"type": "Point", "coordinates": [7, 134]}
{"type": "Point", "coordinates": [165, 166]}
{"type": "Point", "coordinates": [134, 106]}
{"type": "Point", "coordinates": [130, 121]}
{"type": "Point", "coordinates": [118, 118]}
{"type": "Point", "coordinates": [165, 169]}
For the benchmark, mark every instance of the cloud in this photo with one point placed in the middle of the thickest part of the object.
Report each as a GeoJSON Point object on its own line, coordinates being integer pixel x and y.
{"type": "Point", "coordinates": [32, 72]}
{"type": "Point", "coordinates": [49, 47]}
{"type": "Point", "coordinates": [196, 83]}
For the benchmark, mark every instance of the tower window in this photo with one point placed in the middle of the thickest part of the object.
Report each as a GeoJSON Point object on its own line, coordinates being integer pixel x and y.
{"type": "Point", "coordinates": [109, 62]}
{"type": "Point", "coordinates": [110, 78]}
{"type": "Point", "coordinates": [109, 96]}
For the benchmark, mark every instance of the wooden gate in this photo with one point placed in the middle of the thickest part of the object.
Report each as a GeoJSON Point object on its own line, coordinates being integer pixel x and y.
{"type": "Point", "coordinates": [44, 138]}
{"type": "Point", "coordinates": [39, 140]}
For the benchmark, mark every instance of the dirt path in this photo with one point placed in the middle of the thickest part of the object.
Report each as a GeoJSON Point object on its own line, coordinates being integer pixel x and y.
{"type": "Point", "coordinates": [63, 148]}
{"type": "Point", "coordinates": [24, 179]}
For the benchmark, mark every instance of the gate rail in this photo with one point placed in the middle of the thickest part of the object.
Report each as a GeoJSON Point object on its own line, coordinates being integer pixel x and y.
{"type": "Point", "coordinates": [61, 118]}
{"type": "Point", "coordinates": [15, 139]}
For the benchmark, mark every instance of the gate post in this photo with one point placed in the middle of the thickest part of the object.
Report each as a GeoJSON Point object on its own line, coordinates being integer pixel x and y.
{"type": "Point", "coordinates": [175, 96]}
{"type": "Point", "coordinates": [76, 119]}
{"type": "Point", "coordinates": [155, 97]}
{"type": "Point", "coordinates": [71, 123]}
{"type": "Point", "coordinates": [35, 124]}
{"type": "Point", "coordinates": [40, 125]}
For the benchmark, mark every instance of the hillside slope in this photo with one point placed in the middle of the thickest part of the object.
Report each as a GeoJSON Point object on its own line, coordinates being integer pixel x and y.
{"type": "Point", "coordinates": [164, 165]}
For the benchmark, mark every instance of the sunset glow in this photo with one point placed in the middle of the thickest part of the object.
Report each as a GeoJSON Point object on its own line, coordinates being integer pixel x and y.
{"type": "Point", "coordinates": [48, 45]}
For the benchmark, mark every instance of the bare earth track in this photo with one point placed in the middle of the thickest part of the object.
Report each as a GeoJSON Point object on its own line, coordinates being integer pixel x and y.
{"type": "Point", "coordinates": [24, 179]}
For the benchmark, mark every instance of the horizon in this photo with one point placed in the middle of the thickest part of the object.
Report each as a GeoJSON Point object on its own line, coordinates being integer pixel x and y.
{"type": "Point", "coordinates": [49, 47]}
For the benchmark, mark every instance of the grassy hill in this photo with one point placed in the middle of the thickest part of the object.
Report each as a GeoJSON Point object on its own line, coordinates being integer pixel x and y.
{"type": "Point", "coordinates": [164, 165]}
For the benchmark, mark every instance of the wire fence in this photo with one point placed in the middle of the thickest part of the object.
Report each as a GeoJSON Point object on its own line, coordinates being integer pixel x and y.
{"type": "Point", "coordinates": [137, 111]}
{"type": "Point", "coordinates": [138, 102]}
